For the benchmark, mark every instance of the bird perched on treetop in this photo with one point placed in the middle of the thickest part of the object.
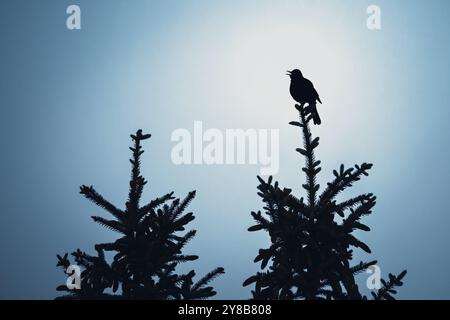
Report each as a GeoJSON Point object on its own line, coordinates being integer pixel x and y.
{"type": "Point", "coordinates": [302, 90]}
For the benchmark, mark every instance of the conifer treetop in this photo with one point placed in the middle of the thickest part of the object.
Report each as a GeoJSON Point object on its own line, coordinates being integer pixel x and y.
{"type": "Point", "coordinates": [149, 248]}
{"type": "Point", "coordinates": [312, 241]}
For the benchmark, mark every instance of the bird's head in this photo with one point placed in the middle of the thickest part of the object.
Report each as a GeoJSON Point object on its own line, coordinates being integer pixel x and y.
{"type": "Point", "coordinates": [295, 74]}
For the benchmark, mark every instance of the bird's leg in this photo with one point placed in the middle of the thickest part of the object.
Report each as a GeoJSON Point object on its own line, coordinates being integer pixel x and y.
{"type": "Point", "coordinates": [308, 109]}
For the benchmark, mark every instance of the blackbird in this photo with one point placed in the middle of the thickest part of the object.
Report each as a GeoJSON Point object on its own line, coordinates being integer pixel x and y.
{"type": "Point", "coordinates": [302, 90]}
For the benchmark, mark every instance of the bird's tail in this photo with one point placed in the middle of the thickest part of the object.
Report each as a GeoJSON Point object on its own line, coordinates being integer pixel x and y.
{"type": "Point", "coordinates": [315, 114]}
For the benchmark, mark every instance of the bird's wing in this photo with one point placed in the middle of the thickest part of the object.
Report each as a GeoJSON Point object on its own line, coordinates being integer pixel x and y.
{"type": "Point", "coordinates": [312, 90]}
{"type": "Point", "coordinates": [318, 98]}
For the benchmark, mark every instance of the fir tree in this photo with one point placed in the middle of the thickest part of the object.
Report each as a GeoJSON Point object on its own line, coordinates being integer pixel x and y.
{"type": "Point", "coordinates": [311, 240]}
{"type": "Point", "coordinates": [148, 251]}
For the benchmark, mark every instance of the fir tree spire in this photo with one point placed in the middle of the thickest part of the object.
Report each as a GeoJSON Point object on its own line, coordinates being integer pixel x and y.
{"type": "Point", "coordinates": [148, 251]}
{"type": "Point", "coordinates": [312, 243]}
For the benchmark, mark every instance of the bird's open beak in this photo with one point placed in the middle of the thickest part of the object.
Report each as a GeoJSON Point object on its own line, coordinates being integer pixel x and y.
{"type": "Point", "coordinates": [288, 73]}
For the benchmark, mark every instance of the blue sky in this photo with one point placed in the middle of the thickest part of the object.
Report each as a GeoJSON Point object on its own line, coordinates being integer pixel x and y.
{"type": "Point", "coordinates": [70, 99]}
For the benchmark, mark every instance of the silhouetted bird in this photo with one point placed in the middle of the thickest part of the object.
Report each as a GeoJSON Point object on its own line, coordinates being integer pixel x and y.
{"type": "Point", "coordinates": [302, 90]}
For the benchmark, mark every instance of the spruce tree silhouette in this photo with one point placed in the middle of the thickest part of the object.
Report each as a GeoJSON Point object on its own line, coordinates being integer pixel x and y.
{"type": "Point", "coordinates": [147, 253]}
{"type": "Point", "coordinates": [310, 250]}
